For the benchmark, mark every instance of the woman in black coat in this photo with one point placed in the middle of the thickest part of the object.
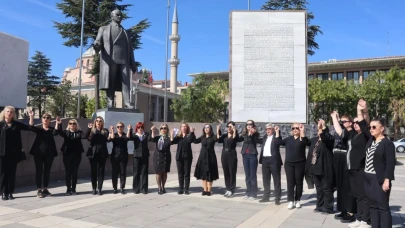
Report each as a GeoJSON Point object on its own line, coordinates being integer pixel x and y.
{"type": "Point", "coordinates": [97, 152]}
{"type": "Point", "coordinates": [162, 157]}
{"type": "Point", "coordinates": [44, 151]}
{"type": "Point", "coordinates": [184, 156]}
{"type": "Point", "coordinates": [72, 149]}
{"type": "Point", "coordinates": [11, 151]}
{"type": "Point", "coordinates": [320, 165]}
{"type": "Point", "coordinates": [229, 158]}
{"type": "Point", "coordinates": [379, 172]}
{"type": "Point", "coordinates": [141, 159]}
{"type": "Point", "coordinates": [207, 167]}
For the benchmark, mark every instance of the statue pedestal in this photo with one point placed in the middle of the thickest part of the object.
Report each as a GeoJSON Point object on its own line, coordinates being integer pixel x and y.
{"type": "Point", "coordinates": [112, 116]}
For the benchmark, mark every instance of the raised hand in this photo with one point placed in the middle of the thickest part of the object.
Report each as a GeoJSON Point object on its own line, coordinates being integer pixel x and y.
{"type": "Point", "coordinates": [252, 130]}
{"type": "Point", "coordinates": [111, 129]}
{"type": "Point", "coordinates": [153, 128]}
{"type": "Point", "coordinates": [129, 127]}
{"type": "Point", "coordinates": [322, 122]}
{"type": "Point", "coordinates": [361, 104]}
{"type": "Point", "coordinates": [58, 120]}
{"type": "Point", "coordinates": [218, 128]}
{"type": "Point", "coordinates": [31, 113]}
{"type": "Point", "coordinates": [192, 129]}
{"type": "Point", "coordinates": [302, 128]}
{"type": "Point", "coordinates": [90, 125]}
{"type": "Point", "coordinates": [276, 128]}
{"type": "Point", "coordinates": [334, 114]}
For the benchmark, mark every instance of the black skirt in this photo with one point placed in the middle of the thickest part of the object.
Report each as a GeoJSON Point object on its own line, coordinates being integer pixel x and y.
{"type": "Point", "coordinates": [345, 201]}
{"type": "Point", "coordinates": [162, 161]}
{"type": "Point", "coordinates": [207, 166]}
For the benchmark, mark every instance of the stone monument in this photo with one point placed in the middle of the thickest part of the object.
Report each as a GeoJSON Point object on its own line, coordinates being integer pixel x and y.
{"type": "Point", "coordinates": [13, 71]}
{"type": "Point", "coordinates": [116, 63]}
{"type": "Point", "coordinates": [268, 66]}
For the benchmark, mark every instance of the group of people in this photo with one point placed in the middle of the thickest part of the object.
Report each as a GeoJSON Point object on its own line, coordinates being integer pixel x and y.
{"type": "Point", "coordinates": [359, 163]}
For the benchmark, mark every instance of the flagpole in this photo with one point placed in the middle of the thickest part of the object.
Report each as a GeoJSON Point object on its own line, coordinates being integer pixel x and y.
{"type": "Point", "coordinates": [81, 63]}
{"type": "Point", "coordinates": [166, 62]}
{"type": "Point", "coordinates": [150, 93]}
{"type": "Point", "coordinates": [248, 4]}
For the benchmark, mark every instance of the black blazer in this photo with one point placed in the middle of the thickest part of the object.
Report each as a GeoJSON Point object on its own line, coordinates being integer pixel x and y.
{"type": "Point", "coordinates": [120, 146]}
{"type": "Point", "coordinates": [324, 158]}
{"type": "Point", "coordinates": [250, 142]}
{"type": "Point", "coordinates": [141, 148]}
{"type": "Point", "coordinates": [40, 131]}
{"type": "Point", "coordinates": [98, 142]}
{"type": "Point", "coordinates": [10, 137]}
{"type": "Point", "coordinates": [275, 150]}
{"type": "Point", "coordinates": [184, 146]}
{"type": "Point", "coordinates": [384, 159]}
{"type": "Point", "coordinates": [72, 141]}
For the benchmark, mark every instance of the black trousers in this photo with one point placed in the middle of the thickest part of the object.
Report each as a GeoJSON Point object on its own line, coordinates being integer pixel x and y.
{"type": "Point", "coordinates": [119, 167]}
{"type": "Point", "coordinates": [97, 166]}
{"type": "Point", "coordinates": [345, 201]}
{"type": "Point", "coordinates": [43, 164]}
{"type": "Point", "coordinates": [71, 163]}
{"type": "Point", "coordinates": [250, 163]}
{"type": "Point", "coordinates": [295, 172]}
{"type": "Point", "coordinates": [359, 192]}
{"type": "Point", "coordinates": [324, 192]}
{"type": "Point", "coordinates": [8, 169]}
{"type": "Point", "coordinates": [270, 168]}
{"type": "Point", "coordinates": [378, 201]}
{"type": "Point", "coordinates": [140, 178]}
{"type": "Point", "coordinates": [184, 170]}
{"type": "Point", "coordinates": [229, 160]}
{"type": "Point", "coordinates": [119, 72]}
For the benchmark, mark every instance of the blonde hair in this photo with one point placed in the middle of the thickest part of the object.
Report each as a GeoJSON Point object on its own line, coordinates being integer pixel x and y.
{"type": "Point", "coordinates": [102, 125]}
{"type": "Point", "coordinates": [2, 117]}
{"type": "Point", "coordinates": [77, 124]}
{"type": "Point", "coordinates": [164, 125]}
{"type": "Point", "coordinates": [180, 134]}
{"type": "Point", "coordinates": [269, 125]}
{"type": "Point", "coordinates": [121, 123]}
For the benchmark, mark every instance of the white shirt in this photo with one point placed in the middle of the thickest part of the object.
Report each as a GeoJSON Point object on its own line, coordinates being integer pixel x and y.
{"type": "Point", "coordinates": [267, 147]}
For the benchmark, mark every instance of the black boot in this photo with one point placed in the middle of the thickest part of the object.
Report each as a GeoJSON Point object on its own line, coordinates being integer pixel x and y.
{"type": "Point", "coordinates": [4, 196]}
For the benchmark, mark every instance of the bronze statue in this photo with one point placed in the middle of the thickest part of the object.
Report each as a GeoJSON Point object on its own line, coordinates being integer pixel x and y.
{"type": "Point", "coordinates": [116, 59]}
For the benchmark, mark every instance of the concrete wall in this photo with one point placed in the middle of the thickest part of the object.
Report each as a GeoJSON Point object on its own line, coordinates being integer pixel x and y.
{"type": "Point", "coordinates": [26, 169]}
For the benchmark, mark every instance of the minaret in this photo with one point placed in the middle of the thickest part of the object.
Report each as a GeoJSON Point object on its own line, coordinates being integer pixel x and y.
{"type": "Point", "coordinates": [174, 60]}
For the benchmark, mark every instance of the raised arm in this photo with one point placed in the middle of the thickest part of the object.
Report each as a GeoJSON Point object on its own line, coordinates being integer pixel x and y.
{"type": "Point", "coordinates": [129, 132]}
{"type": "Point", "coordinates": [152, 130]}
{"type": "Point", "coordinates": [110, 134]}
{"type": "Point", "coordinates": [325, 136]}
{"type": "Point", "coordinates": [336, 124]}
{"type": "Point", "coordinates": [87, 135]}
{"type": "Point", "coordinates": [197, 140]}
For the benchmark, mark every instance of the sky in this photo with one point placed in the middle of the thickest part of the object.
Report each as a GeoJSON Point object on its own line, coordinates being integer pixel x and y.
{"type": "Point", "coordinates": [351, 29]}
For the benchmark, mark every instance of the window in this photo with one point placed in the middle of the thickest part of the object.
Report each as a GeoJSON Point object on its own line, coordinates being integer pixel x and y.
{"type": "Point", "coordinates": [323, 76]}
{"type": "Point", "coordinates": [310, 76]}
{"type": "Point", "coordinates": [353, 76]}
{"type": "Point", "coordinates": [337, 76]}
{"type": "Point", "coordinates": [367, 73]}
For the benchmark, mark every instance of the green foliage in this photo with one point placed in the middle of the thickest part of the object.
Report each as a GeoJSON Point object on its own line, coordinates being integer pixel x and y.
{"type": "Point", "coordinates": [90, 104]}
{"type": "Point", "coordinates": [145, 77]}
{"type": "Point", "coordinates": [313, 30]}
{"type": "Point", "coordinates": [62, 100]}
{"type": "Point", "coordinates": [201, 102]}
{"type": "Point", "coordinates": [72, 111]}
{"type": "Point", "coordinates": [40, 83]}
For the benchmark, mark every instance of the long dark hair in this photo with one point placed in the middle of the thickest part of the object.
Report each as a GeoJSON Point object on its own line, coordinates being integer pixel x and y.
{"type": "Point", "coordinates": [211, 132]}
{"type": "Point", "coordinates": [245, 130]}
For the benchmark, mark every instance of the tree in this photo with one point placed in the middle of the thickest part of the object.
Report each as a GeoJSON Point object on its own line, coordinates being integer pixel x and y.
{"type": "Point", "coordinates": [313, 30]}
{"type": "Point", "coordinates": [62, 99]}
{"type": "Point", "coordinates": [40, 83]}
{"type": "Point", "coordinates": [71, 111]}
{"type": "Point", "coordinates": [145, 77]}
{"type": "Point", "coordinates": [97, 14]}
{"type": "Point", "coordinates": [201, 102]}
{"type": "Point", "coordinates": [91, 103]}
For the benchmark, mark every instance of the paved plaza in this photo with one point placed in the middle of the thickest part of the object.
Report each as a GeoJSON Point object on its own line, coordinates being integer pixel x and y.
{"type": "Point", "coordinates": [171, 210]}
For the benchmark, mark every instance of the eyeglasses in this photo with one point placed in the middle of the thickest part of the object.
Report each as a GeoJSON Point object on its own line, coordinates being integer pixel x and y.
{"type": "Point", "coordinates": [163, 128]}
{"type": "Point", "coordinates": [46, 117]}
{"type": "Point", "coordinates": [99, 121]}
{"type": "Point", "coordinates": [372, 127]}
{"type": "Point", "coordinates": [230, 126]}
{"type": "Point", "coordinates": [344, 121]}
{"type": "Point", "coordinates": [295, 128]}
{"type": "Point", "coordinates": [140, 127]}
{"type": "Point", "coordinates": [120, 126]}
{"type": "Point", "coordinates": [72, 123]}
{"type": "Point", "coordinates": [357, 122]}
{"type": "Point", "coordinates": [249, 124]}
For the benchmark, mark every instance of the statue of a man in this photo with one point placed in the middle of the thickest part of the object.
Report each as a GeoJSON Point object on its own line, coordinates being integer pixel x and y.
{"type": "Point", "coordinates": [116, 59]}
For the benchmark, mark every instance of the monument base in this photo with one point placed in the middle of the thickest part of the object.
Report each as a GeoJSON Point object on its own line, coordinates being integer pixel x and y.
{"type": "Point", "coordinates": [112, 116]}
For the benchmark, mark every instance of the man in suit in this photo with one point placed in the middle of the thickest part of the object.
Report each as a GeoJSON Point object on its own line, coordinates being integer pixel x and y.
{"type": "Point", "coordinates": [116, 59]}
{"type": "Point", "coordinates": [270, 159]}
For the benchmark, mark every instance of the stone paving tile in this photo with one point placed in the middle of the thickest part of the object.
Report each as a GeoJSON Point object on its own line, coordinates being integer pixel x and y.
{"type": "Point", "coordinates": [20, 216]}
{"type": "Point", "coordinates": [46, 221]}
{"type": "Point", "coordinates": [16, 225]}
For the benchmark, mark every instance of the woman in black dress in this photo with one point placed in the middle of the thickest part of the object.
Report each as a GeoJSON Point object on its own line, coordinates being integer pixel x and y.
{"type": "Point", "coordinates": [44, 151]}
{"type": "Point", "coordinates": [207, 166]}
{"type": "Point", "coordinates": [97, 152]}
{"type": "Point", "coordinates": [119, 156]}
{"type": "Point", "coordinates": [184, 156]}
{"type": "Point", "coordinates": [229, 158]}
{"type": "Point", "coordinates": [141, 159]}
{"type": "Point", "coordinates": [72, 149]}
{"type": "Point", "coordinates": [162, 157]}
{"type": "Point", "coordinates": [11, 151]}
